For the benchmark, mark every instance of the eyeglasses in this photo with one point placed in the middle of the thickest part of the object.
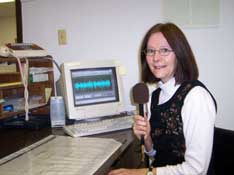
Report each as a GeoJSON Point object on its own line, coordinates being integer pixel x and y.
{"type": "Point", "coordinates": [161, 51]}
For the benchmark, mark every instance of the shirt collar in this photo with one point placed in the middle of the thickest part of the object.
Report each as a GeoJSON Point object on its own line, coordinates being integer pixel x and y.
{"type": "Point", "coordinates": [169, 87]}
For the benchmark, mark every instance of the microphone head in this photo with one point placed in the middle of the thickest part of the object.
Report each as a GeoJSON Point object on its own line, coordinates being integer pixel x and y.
{"type": "Point", "coordinates": [140, 93]}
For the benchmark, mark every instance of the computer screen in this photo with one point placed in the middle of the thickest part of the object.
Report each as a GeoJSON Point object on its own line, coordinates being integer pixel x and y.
{"type": "Point", "coordinates": [94, 85]}
{"type": "Point", "coordinates": [91, 89]}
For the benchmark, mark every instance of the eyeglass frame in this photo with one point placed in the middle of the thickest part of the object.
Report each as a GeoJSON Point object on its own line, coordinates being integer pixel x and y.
{"type": "Point", "coordinates": [160, 51]}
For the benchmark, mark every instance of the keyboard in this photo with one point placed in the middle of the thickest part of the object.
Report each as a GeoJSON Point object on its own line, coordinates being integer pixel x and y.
{"type": "Point", "coordinates": [100, 126]}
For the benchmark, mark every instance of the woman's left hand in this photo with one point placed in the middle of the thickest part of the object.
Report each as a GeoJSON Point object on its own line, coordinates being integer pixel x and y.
{"type": "Point", "coordinates": [123, 171]}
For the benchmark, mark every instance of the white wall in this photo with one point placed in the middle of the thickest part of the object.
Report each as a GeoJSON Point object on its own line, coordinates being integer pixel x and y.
{"type": "Point", "coordinates": [107, 29]}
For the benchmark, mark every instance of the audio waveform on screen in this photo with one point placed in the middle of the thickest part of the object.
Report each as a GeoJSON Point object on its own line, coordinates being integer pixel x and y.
{"type": "Point", "coordinates": [101, 84]}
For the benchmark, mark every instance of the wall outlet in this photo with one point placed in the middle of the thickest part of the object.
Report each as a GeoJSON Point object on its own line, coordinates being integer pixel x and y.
{"type": "Point", "coordinates": [62, 37]}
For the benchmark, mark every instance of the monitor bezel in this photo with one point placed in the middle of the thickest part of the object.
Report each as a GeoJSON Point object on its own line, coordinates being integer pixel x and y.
{"type": "Point", "coordinates": [90, 111]}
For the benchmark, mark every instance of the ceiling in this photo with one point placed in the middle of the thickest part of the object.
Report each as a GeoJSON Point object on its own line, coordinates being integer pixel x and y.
{"type": "Point", "coordinates": [7, 9]}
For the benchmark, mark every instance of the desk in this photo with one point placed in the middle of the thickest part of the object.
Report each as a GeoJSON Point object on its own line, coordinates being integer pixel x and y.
{"type": "Point", "coordinates": [129, 155]}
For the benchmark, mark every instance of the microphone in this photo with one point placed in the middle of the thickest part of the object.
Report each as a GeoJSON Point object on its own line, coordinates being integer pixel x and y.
{"type": "Point", "coordinates": [140, 96]}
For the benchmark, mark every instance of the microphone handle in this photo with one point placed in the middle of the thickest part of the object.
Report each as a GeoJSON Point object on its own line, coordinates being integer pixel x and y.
{"type": "Point", "coordinates": [141, 112]}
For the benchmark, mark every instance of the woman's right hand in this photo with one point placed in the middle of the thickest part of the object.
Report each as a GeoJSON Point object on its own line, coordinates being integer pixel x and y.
{"type": "Point", "coordinates": [141, 127]}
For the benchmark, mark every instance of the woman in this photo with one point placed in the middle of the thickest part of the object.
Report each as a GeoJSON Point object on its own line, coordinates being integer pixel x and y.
{"type": "Point", "coordinates": [179, 131]}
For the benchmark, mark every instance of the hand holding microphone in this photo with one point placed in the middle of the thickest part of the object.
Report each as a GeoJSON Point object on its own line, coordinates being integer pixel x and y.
{"type": "Point", "coordinates": [141, 127]}
{"type": "Point", "coordinates": [140, 97]}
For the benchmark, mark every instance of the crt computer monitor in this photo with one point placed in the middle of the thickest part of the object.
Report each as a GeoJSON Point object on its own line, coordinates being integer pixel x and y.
{"type": "Point", "coordinates": [91, 88]}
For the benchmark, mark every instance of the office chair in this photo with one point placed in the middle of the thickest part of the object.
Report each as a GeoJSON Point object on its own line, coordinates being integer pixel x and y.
{"type": "Point", "coordinates": [222, 160]}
